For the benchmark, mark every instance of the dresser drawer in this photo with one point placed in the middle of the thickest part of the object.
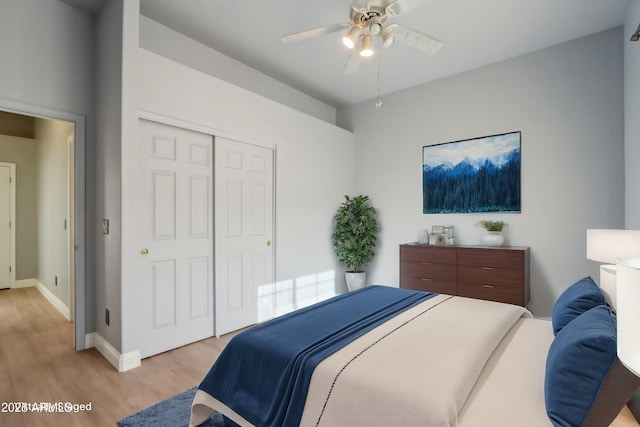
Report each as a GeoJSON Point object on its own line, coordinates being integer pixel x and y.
{"type": "Point", "coordinates": [494, 276]}
{"type": "Point", "coordinates": [496, 258]}
{"type": "Point", "coordinates": [439, 255]}
{"type": "Point", "coordinates": [428, 270]}
{"type": "Point", "coordinates": [509, 295]}
{"type": "Point", "coordinates": [440, 286]}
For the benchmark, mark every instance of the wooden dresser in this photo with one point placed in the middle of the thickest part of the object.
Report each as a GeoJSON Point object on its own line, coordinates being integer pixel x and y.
{"type": "Point", "coordinates": [495, 274]}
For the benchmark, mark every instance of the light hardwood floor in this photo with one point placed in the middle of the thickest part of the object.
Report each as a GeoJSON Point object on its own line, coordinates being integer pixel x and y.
{"type": "Point", "coordinates": [38, 364]}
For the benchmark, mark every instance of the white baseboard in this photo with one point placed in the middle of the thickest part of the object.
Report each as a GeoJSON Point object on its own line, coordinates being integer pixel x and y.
{"type": "Point", "coordinates": [90, 340]}
{"type": "Point", "coordinates": [25, 283]}
{"type": "Point", "coordinates": [122, 362]}
{"type": "Point", "coordinates": [54, 300]}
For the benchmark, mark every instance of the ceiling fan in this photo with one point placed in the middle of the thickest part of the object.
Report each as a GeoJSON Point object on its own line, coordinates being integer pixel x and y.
{"type": "Point", "coordinates": [368, 19]}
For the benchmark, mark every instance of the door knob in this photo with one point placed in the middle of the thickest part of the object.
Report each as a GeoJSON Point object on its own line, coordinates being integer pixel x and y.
{"type": "Point", "coordinates": [144, 251]}
{"type": "Point", "coordinates": [268, 243]}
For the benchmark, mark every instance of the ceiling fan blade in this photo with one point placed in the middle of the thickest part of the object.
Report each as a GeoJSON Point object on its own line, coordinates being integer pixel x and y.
{"type": "Point", "coordinates": [296, 37]}
{"type": "Point", "coordinates": [398, 7]}
{"type": "Point", "coordinates": [360, 5]}
{"type": "Point", "coordinates": [422, 42]}
{"type": "Point", "coordinates": [353, 61]}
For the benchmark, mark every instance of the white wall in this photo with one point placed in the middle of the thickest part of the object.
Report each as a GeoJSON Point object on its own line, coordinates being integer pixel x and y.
{"type": "Point", "coordinates": [161, 40]}
{"type": "Point", "coordinates": [313, 165]}
{"type": "Point", "coordinates": [631, 122]}
{"type": "Point", "coordinates": [566, 100]}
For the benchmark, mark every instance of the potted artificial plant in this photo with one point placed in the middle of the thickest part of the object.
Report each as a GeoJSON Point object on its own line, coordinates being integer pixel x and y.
{"type": "Point", "coordinates": [354, 239]}
{"type": "Point", "coordinates": [494, 236]}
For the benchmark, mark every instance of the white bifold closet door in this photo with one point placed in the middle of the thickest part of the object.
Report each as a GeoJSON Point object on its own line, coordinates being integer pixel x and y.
{"type": "Point", "coordinates": [175, 229]}
{"type": "Point", "coordinates": [244, 234]}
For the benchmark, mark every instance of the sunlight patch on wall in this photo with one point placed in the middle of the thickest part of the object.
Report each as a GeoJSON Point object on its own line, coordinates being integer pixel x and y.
{"type": "Point", "coordinates": [285, 296]}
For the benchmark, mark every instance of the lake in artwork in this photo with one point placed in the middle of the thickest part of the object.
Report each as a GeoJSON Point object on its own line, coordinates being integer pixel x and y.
{"type": "Point", "coordinates": [472, 175]}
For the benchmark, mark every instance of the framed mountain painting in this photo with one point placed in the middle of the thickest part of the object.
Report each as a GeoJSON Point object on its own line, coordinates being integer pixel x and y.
{"type": "Point", "coordinates": [472, 175]}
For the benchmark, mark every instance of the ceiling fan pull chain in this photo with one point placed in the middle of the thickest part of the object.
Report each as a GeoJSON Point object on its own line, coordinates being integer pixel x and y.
{"type": "Point", "coordinates": [379, 101]}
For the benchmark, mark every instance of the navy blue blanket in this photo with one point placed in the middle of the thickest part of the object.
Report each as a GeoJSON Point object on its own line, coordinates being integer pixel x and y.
{"type": "Point", "coordinates": [263, 374]}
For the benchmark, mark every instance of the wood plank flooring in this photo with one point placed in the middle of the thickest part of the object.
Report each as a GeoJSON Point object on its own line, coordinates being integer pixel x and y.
{"type": "Point", "coordinates": [38, 364]}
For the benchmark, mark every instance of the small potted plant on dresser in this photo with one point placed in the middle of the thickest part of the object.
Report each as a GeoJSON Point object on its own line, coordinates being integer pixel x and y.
{"type": "Point", "coordinates": [494, 236]}
{"type": "Point", "coordinates": [354, 238]}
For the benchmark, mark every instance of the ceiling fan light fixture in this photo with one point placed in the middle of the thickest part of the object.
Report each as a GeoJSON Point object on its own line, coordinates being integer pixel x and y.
{"type": "Point", "coordinates": [352, 36]}
{"type": "Point", "coordinates": [367, 48]}
{"type": "Point", "coordinates": [375, 26]}
{"type": "Point", "coordinates": [387, 37]}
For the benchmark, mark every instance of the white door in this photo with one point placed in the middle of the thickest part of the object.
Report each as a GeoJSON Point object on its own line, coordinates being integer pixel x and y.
{"type": "Point", "coordinates": [7, 225]}
{"type": "Point", "coordinates": [244, 234]}
{"type": "Point", "coordinates": [175, 225]}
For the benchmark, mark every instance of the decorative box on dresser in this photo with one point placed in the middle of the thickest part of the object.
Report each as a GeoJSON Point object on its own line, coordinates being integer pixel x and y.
{"type": "Point", "coordinates": [483, 272]}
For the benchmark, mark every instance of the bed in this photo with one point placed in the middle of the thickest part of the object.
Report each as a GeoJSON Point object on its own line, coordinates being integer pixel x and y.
{"type": "Point", "coordinates": [388, 356]}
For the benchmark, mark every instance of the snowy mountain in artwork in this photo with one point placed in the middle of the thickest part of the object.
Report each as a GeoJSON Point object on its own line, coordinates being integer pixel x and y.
{"type": "Point", "coordinates": [484, 181]}
{"type": "Point", "coordinates": [469, 165]}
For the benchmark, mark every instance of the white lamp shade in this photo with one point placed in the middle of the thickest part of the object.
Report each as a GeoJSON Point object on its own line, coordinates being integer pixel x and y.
{"type": "Point", "coordinates": [607, 245]}
{"type": "Point", "coordinates": [628, 314]}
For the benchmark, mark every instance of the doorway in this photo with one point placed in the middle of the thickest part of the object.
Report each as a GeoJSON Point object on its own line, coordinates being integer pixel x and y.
{"type": "Point", "coordinates": [48, 148]}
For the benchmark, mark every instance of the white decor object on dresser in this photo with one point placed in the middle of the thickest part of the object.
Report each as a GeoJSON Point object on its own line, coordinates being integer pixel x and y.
{"type": "Point", "coordinates": [493, 238]}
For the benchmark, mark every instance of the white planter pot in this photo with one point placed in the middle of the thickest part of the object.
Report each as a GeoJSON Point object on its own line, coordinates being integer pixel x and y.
{"type": "Point", "coordinates": [355, 280]}
{"type": "Point", "coordinates": [493, 238]}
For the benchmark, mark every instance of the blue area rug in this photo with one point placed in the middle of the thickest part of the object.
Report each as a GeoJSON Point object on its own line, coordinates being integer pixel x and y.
{"type": "Point", "coordinates": [173, 412]}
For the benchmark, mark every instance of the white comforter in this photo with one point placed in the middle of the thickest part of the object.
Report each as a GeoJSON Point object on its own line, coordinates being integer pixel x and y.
{"type": "Point", "coordinates": [417, 369]}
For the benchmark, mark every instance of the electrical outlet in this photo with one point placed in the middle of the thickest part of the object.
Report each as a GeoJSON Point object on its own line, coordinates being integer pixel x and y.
{"type": "Point", "coordinates": [105, 226]}
{"type": "Point", "coordinates": [106, 316]}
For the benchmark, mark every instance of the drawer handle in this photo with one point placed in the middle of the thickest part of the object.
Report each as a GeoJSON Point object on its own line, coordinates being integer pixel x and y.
{"type": "Point", "coordinates": [425, 263]}
{"type": "Point", "coordinates": [424, 279]}
{"type": "Point", "coordinates": [487, 268]}
{"type": "Point", "coordinates": [487, 286]}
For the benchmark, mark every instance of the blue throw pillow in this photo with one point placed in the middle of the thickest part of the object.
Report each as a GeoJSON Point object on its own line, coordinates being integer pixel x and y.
{"type": "Point", "coordinates": [578, 298]}
{"type": "Point", "coordinates": [578, 363]}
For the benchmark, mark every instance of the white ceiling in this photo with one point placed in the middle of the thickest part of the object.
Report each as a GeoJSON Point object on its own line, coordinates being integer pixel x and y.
{"type": "Point", "coordinates": [475, 33]}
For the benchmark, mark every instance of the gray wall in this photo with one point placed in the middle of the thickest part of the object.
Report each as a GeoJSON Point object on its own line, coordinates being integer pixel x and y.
{"type": "Point", "coordinates": [47, 50]}
{"type": "Point", "coordinates": [108, 170]}
{"type": "Point", "coordinates": [22, 152]}
{"type": "Point", "coordinates": [631, 122]}
{"type": "Point", "coordinates": [52, 168]}
{"type": "Point", "coordinates": [568, 102]}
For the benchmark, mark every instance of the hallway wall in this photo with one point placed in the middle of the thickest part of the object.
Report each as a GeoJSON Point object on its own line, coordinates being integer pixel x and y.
{"type": "Point", "coordinates": [22, 152]}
